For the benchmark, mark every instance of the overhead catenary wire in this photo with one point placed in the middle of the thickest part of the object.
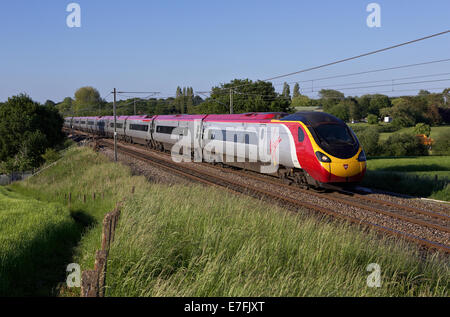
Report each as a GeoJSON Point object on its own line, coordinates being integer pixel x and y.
{"type": "Point", "coordinates": [345, 59]}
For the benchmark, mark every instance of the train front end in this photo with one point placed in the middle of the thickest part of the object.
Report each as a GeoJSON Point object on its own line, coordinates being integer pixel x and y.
{"type": "Point", "coordinates": [330, 152]}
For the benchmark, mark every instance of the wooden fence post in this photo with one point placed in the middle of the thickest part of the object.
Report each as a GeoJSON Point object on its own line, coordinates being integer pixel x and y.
{"type": "Point", "coordinates": [100, 268]}
{"type": "Point", "coordinates": [89, 284]}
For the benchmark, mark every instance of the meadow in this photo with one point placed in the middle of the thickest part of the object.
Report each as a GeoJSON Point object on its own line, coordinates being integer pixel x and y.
{"type": "Point", "coordinates": [197, 241]}
{"type": "Point", "coordinates": [425, 176]}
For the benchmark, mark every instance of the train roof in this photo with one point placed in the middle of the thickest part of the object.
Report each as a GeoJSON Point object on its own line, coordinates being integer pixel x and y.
{"type": "Point", "coordinates": [313, 118]}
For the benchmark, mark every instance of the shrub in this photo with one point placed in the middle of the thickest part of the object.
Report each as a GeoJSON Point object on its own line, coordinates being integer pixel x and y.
{"type": "Point", "coordinates": [50, 156]}
{"type": "Point", "coordinates": [372, 119]}
{"type": "Point", "coordinates": [403, 144]}
{"type": "Point", "coordinates": [441, 145]}
{"type": "Point", "coordinates": [368, 138]}
{"type": "Point", "coordinates": [422, 128]}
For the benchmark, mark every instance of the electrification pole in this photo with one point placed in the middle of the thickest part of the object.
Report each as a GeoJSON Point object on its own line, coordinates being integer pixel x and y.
{"type": "Point", "coordinates": [115, 129]}
{"type": "Point", "coordinates": [134, 106]}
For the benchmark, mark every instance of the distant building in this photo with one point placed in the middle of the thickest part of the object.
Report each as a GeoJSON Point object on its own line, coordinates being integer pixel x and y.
{"type": "Point", "coordinates": [387, 119]}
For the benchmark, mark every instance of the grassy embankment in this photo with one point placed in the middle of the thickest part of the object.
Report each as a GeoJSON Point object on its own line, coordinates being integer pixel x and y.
{"type": "Point", "coordinates": [197, 241]}
{"type": "Point", "coordinates": [35, 238]}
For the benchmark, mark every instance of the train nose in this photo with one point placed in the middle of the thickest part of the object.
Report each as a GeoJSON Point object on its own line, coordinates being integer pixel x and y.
{"type": "Point", "coordinates": [346, 170]}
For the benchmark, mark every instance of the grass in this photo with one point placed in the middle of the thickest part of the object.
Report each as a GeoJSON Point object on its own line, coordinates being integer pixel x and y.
{"type": "Point", "coordinates": [36, 238]}
{"type": "Point", "coordinates": [82, 172]}
{"type": "Point", "coordinates": [436, 132]}
{"type": "Point", "coordinates": [197, 241]}
{"type": "Point", "coordinates": [411, 175]}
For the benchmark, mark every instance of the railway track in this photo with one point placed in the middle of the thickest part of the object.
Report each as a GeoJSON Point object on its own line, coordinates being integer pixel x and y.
{"type": "Point", "coordinates": [435, 222]}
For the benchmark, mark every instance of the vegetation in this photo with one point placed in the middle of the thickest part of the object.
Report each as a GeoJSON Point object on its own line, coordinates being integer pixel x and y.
{"type": "Point", "coordinates": [171, 243]}
{"type": "Point", "coordinates": [411, 175]}
{"type": "Point", "coordinates": [36, 241]}
{"type": "Point", "coordinates": [27, 129]}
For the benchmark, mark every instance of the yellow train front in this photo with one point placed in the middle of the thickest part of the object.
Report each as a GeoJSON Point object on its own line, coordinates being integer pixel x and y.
{"type": "Point", "coordinates": [327, 149]}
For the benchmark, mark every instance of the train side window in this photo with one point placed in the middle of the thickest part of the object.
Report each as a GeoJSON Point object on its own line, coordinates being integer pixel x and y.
{"type": "Point", "coordinates": [301, 134]}
{"type": "Point", "coordinates": [247, 139]}
{"type": "Point", "coordinates": [235, 138]}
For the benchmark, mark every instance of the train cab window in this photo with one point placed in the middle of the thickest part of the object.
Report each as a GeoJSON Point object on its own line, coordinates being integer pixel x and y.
{"type": "Point", "coordinates": [301, 134]}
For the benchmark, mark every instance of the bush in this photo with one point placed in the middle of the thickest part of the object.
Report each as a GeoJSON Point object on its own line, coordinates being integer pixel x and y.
{"type": "Point", "coordinates": [50, 156]}
{"type": "Point", "coordinates": [422, 128]}
{"type": "Point", "coordinates": [372, 119]}
{"type": "Point", "coordinates": [368, 138]}
{"type": "Point", "coordinates": [403, 144]}
{"type": "Point", "coordinates": [441, 145]}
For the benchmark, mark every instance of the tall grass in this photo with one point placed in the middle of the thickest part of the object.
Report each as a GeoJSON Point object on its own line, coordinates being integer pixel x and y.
{"type": "Point", "coordinates": [194, 241]}
{"type": "Point", "coordinates": [82, 172]}
{"type": "Point", "coordinates": [197, 241]}
{"type": "Point", "coordinates": [36, 238]}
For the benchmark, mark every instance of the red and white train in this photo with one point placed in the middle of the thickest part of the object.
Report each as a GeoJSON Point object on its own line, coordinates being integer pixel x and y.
{"type": "Point", "coordinates": [313, 148]}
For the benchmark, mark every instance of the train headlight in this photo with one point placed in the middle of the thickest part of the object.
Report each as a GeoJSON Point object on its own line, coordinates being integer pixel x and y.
{"type": "Point", "coordinates": [322, 157]}
{"type": "Point", "coordinates": [362, 156]}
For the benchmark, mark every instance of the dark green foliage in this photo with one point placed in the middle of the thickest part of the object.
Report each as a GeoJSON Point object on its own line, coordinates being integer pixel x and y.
{"type": "Point", "coordinates": [340, 110]}
{"type": "Point", "coordinates": [422, 128]}
{"type": "Point", "coordinates": [368, 138]}
{"type": "Point", "coordinates": [403, 144]}
{"type": "Point", "coordinates": [372, 119]}
{"type": "Point", "coordinates": [248, 96]}
{"type": "Point", "coordinates": [296, 92]}
{"type": "Point", "coordinates": [441, 145]}
{"type": "Point", "coordinates": [27, 129]}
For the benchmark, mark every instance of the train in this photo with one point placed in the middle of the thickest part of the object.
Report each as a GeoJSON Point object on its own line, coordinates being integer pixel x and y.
{"type": "Point", "coordinates": [312, 148]}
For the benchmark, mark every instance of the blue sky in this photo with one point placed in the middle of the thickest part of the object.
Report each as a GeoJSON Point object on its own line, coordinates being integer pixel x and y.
{"type": "Point", "coordinates": [158, 45]}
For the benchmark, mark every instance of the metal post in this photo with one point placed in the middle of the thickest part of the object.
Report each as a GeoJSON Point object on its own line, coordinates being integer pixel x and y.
{"type": "Point", "coordinates": [231, 101]}
{"type": "Point", "coordinates": [134, 106]}
{"type": "Point", "coordinates": [115, 129]}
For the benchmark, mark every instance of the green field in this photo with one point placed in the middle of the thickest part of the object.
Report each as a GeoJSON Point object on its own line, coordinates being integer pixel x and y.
{"type": "Point", "coordinates": [411, 175]}
{"type": "Point", "coordinates": [196, 241]}
{"type": "Point", "coordinates": [436, 132]}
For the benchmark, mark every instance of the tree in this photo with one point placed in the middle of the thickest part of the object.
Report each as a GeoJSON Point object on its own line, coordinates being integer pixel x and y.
{"type": "Point", "coordinates": [340, 110]}
{"type": "Point", "coordinates": [296, 92]}
{"type": "Point", "coordinates": [368, 138]}
{"type": "Point", "coordinates": [27, 129]}
{"type": "Point", "coordinates": [404, 144]}
{"type": "Point", "coordinates": [372, 119]}
{"type": "Point", "coordinates": [302, 101]}
{"type": "Point", "coordinates": [286, 91]}
{"type": "Point", "coordinates": [248, 96]}
{"type": "Point", "coordinates": [86, 99]}
{"type": "Point", "coordinates": [378, 102]}
{"type": "Point", "coordinates": [330, 98]}
{"type": "Point", "coordinates": [49, 103]}
{"type": "Point", "coordinates": [422, 128]}
{"type": "Point", "coordinates": [66, 107]}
